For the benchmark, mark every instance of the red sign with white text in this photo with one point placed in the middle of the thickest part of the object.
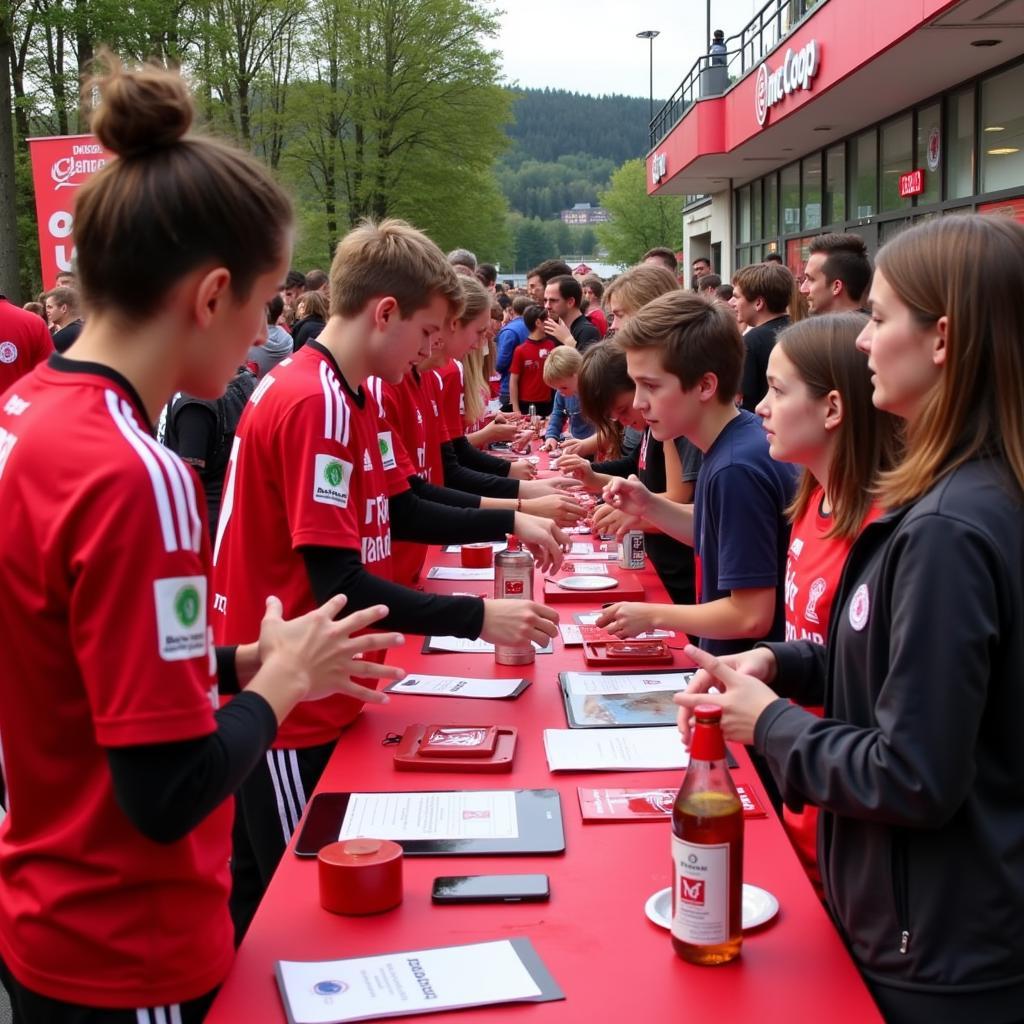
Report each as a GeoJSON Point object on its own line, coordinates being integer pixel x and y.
{"type": "Point", "coordinates": [911, 183]}
{"type": "Point", "coordinates": [59, 166]}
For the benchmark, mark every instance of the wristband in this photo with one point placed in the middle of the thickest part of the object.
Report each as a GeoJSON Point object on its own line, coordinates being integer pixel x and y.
{"type": "Point", "coordinates": [519, 504]}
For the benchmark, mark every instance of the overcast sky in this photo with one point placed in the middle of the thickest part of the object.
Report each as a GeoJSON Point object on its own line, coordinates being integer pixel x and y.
{"type": "Point", "coordinates": [590, 46]}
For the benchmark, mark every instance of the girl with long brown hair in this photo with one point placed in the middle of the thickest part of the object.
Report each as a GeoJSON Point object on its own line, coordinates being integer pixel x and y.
{"type": "Point", "coordinates": [918, 764]}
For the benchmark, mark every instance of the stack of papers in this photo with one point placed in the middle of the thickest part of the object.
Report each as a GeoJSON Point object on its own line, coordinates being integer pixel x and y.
{"type": "Point", "coordinates": [460, 645]}
{"type": "Point", "coordinates": [420, 684]}
{"type": "Point", "coordinates": [580, 750]}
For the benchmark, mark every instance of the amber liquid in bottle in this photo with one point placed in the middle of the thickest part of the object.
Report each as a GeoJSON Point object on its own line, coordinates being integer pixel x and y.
{"type": "Point", "coordinates": [707, 852]}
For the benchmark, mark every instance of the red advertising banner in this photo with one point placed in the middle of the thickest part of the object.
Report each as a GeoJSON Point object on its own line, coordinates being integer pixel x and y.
{"type": "Point", "coordinates": [1004, 208]}
{"type": "Point", "coordinates": [911, 183]}
{"type": "Point", "coordinates": [60, 164]}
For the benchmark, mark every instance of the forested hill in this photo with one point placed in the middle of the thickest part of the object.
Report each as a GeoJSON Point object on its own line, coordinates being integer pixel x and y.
{"type": "Point", "coordinates": [550, 123]}
{"type": "Point", "coordinates": [563, 148]}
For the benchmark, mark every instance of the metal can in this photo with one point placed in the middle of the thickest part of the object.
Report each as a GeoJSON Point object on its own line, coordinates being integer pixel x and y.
{"type": "Point", "coordinates": [632, 554]}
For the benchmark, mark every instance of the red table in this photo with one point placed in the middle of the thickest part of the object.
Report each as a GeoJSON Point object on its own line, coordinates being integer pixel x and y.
{"type": "Point", "coordinates": [610, 961]}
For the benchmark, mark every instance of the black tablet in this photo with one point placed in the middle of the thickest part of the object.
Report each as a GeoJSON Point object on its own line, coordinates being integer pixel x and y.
{"type": "Point", "coordinates": [607, 700]}
{"type": "Point", "coordinates": [451, 822]}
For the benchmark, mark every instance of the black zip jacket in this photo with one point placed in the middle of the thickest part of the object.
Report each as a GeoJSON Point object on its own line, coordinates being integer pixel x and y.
{"type": "Point", "coordinates": [918, 765]}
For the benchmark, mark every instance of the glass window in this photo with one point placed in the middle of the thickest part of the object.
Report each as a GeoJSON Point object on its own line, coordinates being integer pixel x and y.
{"type": "Point", "coordinates": [834, 209]}
{"type": "Point", "coordinates": [756, 225]}
{"type": "Point", "coordinates": [928, 155]}
{"type": "Point", "coordinates": [811, 175]}
{"type": "Point", "coordinates": [1002, 131]}
{"type": "Point", "coordinates": [789, 187]}
{"type": "Point", "coordinates": [743, 213]}
{"type": "Point", "coordinates": [771, 206]}
{"type": "Point", "coordinates": [891, 228]}
{"type": "Point", "coordinates": [756, 253]}
{"type": "Point", "coordinates": [863, 176]}
{"type": "Point", "coordinates": [897, 159]}
{"type": "Point", "coordinates": [959, 144]}
{"type": "Point", "coordinates": [742, 257]}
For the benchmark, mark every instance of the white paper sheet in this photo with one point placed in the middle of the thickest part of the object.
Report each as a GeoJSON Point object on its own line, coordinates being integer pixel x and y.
{"type": "Point", "coordinates": [595, 556]}
{"type": "Point", "coordinates": [470, 814]}
{"type": "Point", "coordinates": [417, 981]}
{"type": "Point", "coordinates": [456, 572]}
{"type": "Point", "coordinates": [590, 619]}
{"type": "Point", "coordinates": [571, 635]}
{"type": "Point", "coordinates": [639, 682]}
{"type": "Point", "coordinates": [581, 547]}
{"type": "Point", "coordinates": [417, 683]}
{"type": "Point", "coordinates": [461, 645]}
{"type": "Point", "coordinates": [614, 749]}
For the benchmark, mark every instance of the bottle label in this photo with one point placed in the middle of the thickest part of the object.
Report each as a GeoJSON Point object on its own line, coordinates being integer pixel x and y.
{"type": "Point", "coordinates": [700, 898]}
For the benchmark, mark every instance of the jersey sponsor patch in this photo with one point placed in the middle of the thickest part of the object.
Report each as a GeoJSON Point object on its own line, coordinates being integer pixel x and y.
{"type": "Point", "coordinates": [387, 449]}
{"type": "Point", "coordinates": [16, 406]}
{"type": "Point", "coordinates": [860, 607]}
{"type": "Point", "coordinates": [7, 443]}
{"type": "Point", "coordinates": [331, 480]}
{"type": "Point", "coordinates": [181, 617]}
{"type": "Point", "coordinates": [8, 351]}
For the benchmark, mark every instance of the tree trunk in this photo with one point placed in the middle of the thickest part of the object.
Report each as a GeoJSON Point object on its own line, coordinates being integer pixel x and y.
{"type": "Point", "coordinates": [9, 268]}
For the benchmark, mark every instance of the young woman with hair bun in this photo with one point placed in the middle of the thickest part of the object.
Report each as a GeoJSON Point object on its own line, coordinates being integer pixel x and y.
{"type": "Point", "coordinates": [119, 767]}
{"type": "Point", "coordinates": [918, 766]}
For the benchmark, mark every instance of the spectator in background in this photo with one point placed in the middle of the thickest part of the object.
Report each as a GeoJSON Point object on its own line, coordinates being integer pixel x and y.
{"type": "Point", "coordinates": [24, 342]}
{"type": "Point", "coordinates": [62, 311]}
{"type": "Point", "coordinates": [294, 285]}
{"type": "Point", "coordinates": [318, 281]}
{"type": "Point", "coordinates": [36, 307]}
{"type": "Point", "coordinates": [462, 262]}
{"type": "Point", "coordinates": [278, 346]}
{"type": "Point", "coordinates": [566, 323]}
{"type": "Point", "coordinates": [708, 285]}
{"type": "Point", "coordinates": [487, 275]}
{"type": "Point", "coordinates": [723, 293]}
{"type": "Point", "coordinates": [772, 257]}
{"type": "Point", "coordinates": [537, 279]}
{"type": "Point", "coordinates": [662, 256]}
{"type": "Point", "coordinates": [593, 292]}
{"type": "Point", "coordinates": [837, 273]}
{"type": "Point", "coordinates": [761, 294]}
{"type": "Point", "coordinates": [66, 279]}
{"type": "Point", "coordinates": [561, 372]}
{"type": "Point", "coordinates": [312, 316]}
{"type": "Point", "coordinates": [701, 266]}
{"type": "Point", "coordinates": [510, 337]}
{"type": "Point", "coordinates": [526, 379]}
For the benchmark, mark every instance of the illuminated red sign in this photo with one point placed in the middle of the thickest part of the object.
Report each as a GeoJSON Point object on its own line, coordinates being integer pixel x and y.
{"type": "Point", "coordinates": [912, 183]}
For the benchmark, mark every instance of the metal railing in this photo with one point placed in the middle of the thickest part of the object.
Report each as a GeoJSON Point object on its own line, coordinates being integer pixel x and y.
{"type": "Point", "coordinates": [713, 74]}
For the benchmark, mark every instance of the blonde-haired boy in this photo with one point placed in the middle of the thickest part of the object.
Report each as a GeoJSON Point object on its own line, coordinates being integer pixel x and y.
{"type": "Point", "coordinates": [561, 370]}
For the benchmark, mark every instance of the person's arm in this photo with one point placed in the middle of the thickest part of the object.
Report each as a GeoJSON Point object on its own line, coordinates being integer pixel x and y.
{"type": "Point", "coordinates": [513, 393]}
{"type": "Point", "coordinates": [428, 522]}
{"type": "Point", "coordinates": [463, 478]}
{"type": "Point", "coordinates": [631, 497]}
{"type": "Point", "coordinates": [194, 425]}
{"type": "Point", "coordinates": [741, 613]}
{"type": "Point", "coordinates": [506, 346]}
{"type": "Point", "coordinates": [556, 421]}
{"type": "Point", "coordinates": [473, 458]}
{"type": "Point", "coordinates": [447, 495]}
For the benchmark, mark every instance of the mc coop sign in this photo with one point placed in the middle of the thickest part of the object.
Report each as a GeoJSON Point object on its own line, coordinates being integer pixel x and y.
{"type": "Point", "coordinates": [771, 87]}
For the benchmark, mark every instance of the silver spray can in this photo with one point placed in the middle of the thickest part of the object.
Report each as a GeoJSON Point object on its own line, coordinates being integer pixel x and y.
{"type": "Point", "coordinates": [631, 550]}
{"type": "Point", "coordinates": [513, 578]}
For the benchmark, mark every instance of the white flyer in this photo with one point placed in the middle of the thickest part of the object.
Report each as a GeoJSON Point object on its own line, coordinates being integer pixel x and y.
{"type": "Point", "coordinates": [457, 572]}
{"type": "Point", "coordinates": [420, 684]}
{"type": "Point", "coordinates": [466, 814]}
{"type": "Point", "coordinates": [571, 635]}
{"type": "Point", "coordinates": [639, 682]}
{"type": "Point", "coordinates": [581, 547]}
{"type": "Point", "coordinates": [417, 981]}
{"type": "Point", "coordinates": [462, 645]}
{"type": "Point", "coordinates": [580, 750]}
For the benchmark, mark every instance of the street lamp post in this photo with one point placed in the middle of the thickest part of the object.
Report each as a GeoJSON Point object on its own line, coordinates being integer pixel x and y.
{"type": "Point", "coordinates": [650, 36]}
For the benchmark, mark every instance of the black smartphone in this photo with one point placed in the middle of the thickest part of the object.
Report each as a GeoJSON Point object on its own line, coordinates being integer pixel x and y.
{"type": "Point", "coordinates": [491, 889]}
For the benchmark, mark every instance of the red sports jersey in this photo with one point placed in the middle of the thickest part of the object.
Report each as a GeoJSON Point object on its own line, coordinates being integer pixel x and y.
{"type": "Point", "coordinates": [104, 600]}
{"type": "Point", "coordinates": [598, 319]}
{"type": "Point", "coordinates": [24, 342]}
{"type": "Point", "coordinates": [528, 364]}
{"type": "Point", "coordinates": [453, 399]}
{"type": "Point", "coordinates": [311, 465]}
{"type": "Point", "coordinates": [813, 567]}
{"type": "Point", "coordinates": [437, 429]}
{"type": "Point", "coordinates": [399, 406]}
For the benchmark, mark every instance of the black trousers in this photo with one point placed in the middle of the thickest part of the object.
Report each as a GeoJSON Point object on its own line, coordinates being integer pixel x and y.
{"type": "Point", "coordinates": [29, 1007]}
{"type": "Point", "coordinates": [268, 807]}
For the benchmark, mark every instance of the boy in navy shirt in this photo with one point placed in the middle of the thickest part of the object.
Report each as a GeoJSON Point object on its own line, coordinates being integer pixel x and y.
{"type": "Point", "coordinates": [686, 357]}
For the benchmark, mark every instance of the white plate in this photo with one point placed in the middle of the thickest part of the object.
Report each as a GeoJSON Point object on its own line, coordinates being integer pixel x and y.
{"type": "Point", "coordinates": [759, 907]}
{"type": "Point", "coordinates": [587, 582]}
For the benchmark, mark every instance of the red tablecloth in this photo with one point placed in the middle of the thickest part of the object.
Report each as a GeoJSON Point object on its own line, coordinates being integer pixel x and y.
{"type": "Point", "coordinates": [612, 963]}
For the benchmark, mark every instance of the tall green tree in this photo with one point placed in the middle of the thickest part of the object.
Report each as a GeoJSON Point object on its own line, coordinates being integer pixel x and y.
{"type": "Point", "coordinates": [638, 221]}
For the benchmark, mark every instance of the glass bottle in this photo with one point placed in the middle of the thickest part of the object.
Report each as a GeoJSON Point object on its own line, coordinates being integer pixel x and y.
{"type": "Point", "coordinates": [513, 578]}
{"type": "Point", "coordinates": [707, 851]}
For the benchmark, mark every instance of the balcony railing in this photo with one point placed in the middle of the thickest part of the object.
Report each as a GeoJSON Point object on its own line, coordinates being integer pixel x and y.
{"type": "Point", "coordinates": [714, 73]}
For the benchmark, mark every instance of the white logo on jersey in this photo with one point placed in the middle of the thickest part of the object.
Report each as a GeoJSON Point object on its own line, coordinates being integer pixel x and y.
{"type": "Point", "coordinates": [367, 462]}
{"type": "Point", "coordinates": [813, 597]}
{"type": "Point", "coordinates": [8, 351]}
{"type": "Point", "coordinates": [7, 443]}
{"type": "Point", "coordinates": [181, 617]}
{"type": "Point", "coordinates": [796, 547]}
{"type": "Point", "coordinates": [387, 449]}
{"type": "Point", "coordinates": [331, 479]}
{"type": "Point", "coordinates": [860, 606]}
{"type": "Point", "coordinates": [16, 405]}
